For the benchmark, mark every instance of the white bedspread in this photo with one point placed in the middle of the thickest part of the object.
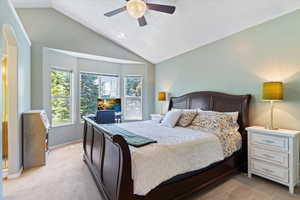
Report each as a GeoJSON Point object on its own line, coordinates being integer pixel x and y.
{"type": "Point", "coordinates": [178, 151]}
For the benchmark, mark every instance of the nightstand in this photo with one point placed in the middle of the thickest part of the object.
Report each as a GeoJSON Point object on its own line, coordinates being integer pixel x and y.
{"type": "Point", "coordinates": [156, 117]}
{"type": "Point", "coordinates": [274, 154]}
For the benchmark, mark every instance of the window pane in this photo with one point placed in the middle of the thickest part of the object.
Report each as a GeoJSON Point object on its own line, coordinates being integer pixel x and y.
{"type": "Point", "coordinates": [60, 83]}
{"type": "Point", "coordinates": [89, 92]}
{"type": "Point", "coordinates": [133, 86]}
{"type": "Point", "coordinates": [61, 112]}
{"type": "Point", "coordinates": [109, 86]}
{"type": "Point", "coordinates": [133, 108]}
{"type": "Point", "coordinates": [133, 97]}
{"type": "Point", "coordinates": [61, 104]}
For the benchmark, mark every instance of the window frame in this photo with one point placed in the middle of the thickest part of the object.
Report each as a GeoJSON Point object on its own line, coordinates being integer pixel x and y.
{"type": "Point", "coordinates": [71, 97]}
{"type": "Point", "coordinates": [125, 96]}
{"type": "Point", "coordinates": [118, 84]}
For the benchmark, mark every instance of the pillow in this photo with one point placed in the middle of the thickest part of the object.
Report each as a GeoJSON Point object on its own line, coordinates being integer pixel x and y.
{"type": "Point", "coordinates": [235, 115]}
{"type": "Point", "coordinates": [171, 118]}
{"type": "Point", "coordinates": [216, 121]}
{"type": "Point", "coordinates": [186, 118]}
{"type": "Point", "coordinates": [188, 110]}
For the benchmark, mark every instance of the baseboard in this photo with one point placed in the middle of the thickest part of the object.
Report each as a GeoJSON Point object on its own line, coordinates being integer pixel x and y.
{"type": "Point", "coordinates": [15, 175]}
{"type": "Point", "coordinates": [64, 144]}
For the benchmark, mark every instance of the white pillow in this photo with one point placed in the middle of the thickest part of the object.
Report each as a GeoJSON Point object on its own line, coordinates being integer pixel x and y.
{"type": "Point", "coordinates": [171, 118]}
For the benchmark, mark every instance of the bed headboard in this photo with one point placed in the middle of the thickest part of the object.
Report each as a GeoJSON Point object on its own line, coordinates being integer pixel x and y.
{"type": "Point", "coordinates": [217, 101]}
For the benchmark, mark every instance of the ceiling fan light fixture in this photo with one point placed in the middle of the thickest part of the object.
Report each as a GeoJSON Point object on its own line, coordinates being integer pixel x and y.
{"type": "Point", "coordinates": [136, 8]}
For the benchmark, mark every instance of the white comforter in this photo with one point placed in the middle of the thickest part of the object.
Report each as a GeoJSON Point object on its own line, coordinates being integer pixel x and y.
{"type": "Point", "coordinates": [178, 151]}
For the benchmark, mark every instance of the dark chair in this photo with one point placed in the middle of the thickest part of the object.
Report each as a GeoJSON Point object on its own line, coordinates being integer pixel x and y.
{"type": "Point", "coordinates": [92, 117]}
{"type": "Point", "coordinates": [105, 116]}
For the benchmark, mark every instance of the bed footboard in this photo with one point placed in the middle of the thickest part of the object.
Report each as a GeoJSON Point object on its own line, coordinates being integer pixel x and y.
{"type": "Point", "coordinates": [108, 158]}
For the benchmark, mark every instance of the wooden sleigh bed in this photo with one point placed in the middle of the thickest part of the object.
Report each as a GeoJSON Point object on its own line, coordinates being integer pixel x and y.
{"type": "Point", "coordinates": [109, 160]}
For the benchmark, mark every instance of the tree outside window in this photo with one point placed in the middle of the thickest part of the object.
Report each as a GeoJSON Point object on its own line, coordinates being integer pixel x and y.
{"type": "Point", "coordinates": [61, 96]}
{"type": "Point", "coordinates": [89, 92]}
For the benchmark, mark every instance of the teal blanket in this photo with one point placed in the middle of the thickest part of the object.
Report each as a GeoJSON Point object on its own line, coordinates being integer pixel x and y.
{"type": "Point", "coordinates": [131, 138]}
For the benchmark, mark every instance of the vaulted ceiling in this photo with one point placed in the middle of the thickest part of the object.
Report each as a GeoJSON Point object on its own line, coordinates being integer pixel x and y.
{"type": "Point", "coordinates": [194, 24]}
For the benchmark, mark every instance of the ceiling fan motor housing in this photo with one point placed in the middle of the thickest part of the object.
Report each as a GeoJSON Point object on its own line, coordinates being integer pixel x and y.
{"type": "Point", "coordinates": [136, 8]}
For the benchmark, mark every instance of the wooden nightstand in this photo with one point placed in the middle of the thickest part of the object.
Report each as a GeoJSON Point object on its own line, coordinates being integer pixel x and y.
{"type": "Point", "coordinates": [274, 154]}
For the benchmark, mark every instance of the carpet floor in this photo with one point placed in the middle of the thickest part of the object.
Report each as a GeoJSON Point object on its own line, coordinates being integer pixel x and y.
{"type": "Point", "coordinates": [66, 177]}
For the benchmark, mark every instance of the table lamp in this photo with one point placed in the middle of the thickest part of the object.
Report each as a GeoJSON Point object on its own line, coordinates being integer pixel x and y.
{"type": "Point", "coordinates": [162, 96]}
{"type": "Point", "coordinates": [272, 91]}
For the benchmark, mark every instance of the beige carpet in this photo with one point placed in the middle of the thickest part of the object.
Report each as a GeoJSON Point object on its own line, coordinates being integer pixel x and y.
{"type": "Point", "coordinates": [66, 177]}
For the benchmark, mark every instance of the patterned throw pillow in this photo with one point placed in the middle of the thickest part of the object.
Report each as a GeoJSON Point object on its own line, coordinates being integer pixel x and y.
{"type": "Point", "coordinates": [186, 118]}
{"type": "Point", "coordinates": [216, 121]}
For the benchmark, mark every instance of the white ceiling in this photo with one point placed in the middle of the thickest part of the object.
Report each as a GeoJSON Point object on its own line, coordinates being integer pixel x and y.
{"type": "Point", "coordinates": [194, 24]}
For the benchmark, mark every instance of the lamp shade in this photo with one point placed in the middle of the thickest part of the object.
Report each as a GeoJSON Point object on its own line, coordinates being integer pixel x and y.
{"type": "Point", "coordinates": [272, 91]}
{"type": "Point", "coordinates": [162, 96]}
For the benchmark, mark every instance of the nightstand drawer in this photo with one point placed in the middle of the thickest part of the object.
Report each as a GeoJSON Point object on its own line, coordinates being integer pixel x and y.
{"type": "Point", "coordinates": [281, 159]}
{"type": "Point", "coordinates": [271, 142]}
{"type": "Point", "coordinates": [266, 169]}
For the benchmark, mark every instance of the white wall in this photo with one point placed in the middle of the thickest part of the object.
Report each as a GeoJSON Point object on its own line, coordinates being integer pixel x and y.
{"type": "Point", "coordinates": [52, 58]}
{"type": "Point", "coordinates": [8, 16]}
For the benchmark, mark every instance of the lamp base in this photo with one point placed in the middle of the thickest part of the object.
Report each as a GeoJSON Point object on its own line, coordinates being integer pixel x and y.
{"type": "Point", "coordinates": [270, 126]}
{"type": "Point", "coordinates": [162, 108]}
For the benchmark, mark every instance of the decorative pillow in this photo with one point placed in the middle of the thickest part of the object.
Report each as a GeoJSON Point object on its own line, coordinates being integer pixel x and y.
{"type": "Point", "coordinates": [216, 121]}
{"type": "Point", "coordinates": [188, 110]}
{"type": "Point", "coordinates": [186, 118]}
{"type": "Point", "coordinates": [171, 118]}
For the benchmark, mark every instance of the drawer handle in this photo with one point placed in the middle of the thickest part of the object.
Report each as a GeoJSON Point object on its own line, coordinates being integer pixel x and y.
{"type": "Point", "coordinates": [268, 170]}
{"type": "Point", "coordinates": [269, 141]}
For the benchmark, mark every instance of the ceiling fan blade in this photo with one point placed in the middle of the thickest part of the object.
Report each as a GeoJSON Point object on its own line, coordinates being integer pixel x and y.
{"type": "Point", "coordinates": [142, 21]}
{"type": "Point", "coordinates": [161, 8]}
{"type": "Point", "coordinates": [114, 12]}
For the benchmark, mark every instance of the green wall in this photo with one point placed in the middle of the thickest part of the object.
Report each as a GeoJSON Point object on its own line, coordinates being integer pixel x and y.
{"type": "Point", "coordinates": [239, 64]}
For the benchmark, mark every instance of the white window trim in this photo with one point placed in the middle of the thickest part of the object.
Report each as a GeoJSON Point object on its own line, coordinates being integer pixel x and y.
{"type": "Point", "coordinates": [125, 96]}
{"type": "Point", "coordinates": [72, 106]}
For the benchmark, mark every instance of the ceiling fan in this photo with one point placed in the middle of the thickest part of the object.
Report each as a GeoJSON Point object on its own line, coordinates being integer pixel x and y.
{"type": "Point", "coordinates": [137, 9]}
